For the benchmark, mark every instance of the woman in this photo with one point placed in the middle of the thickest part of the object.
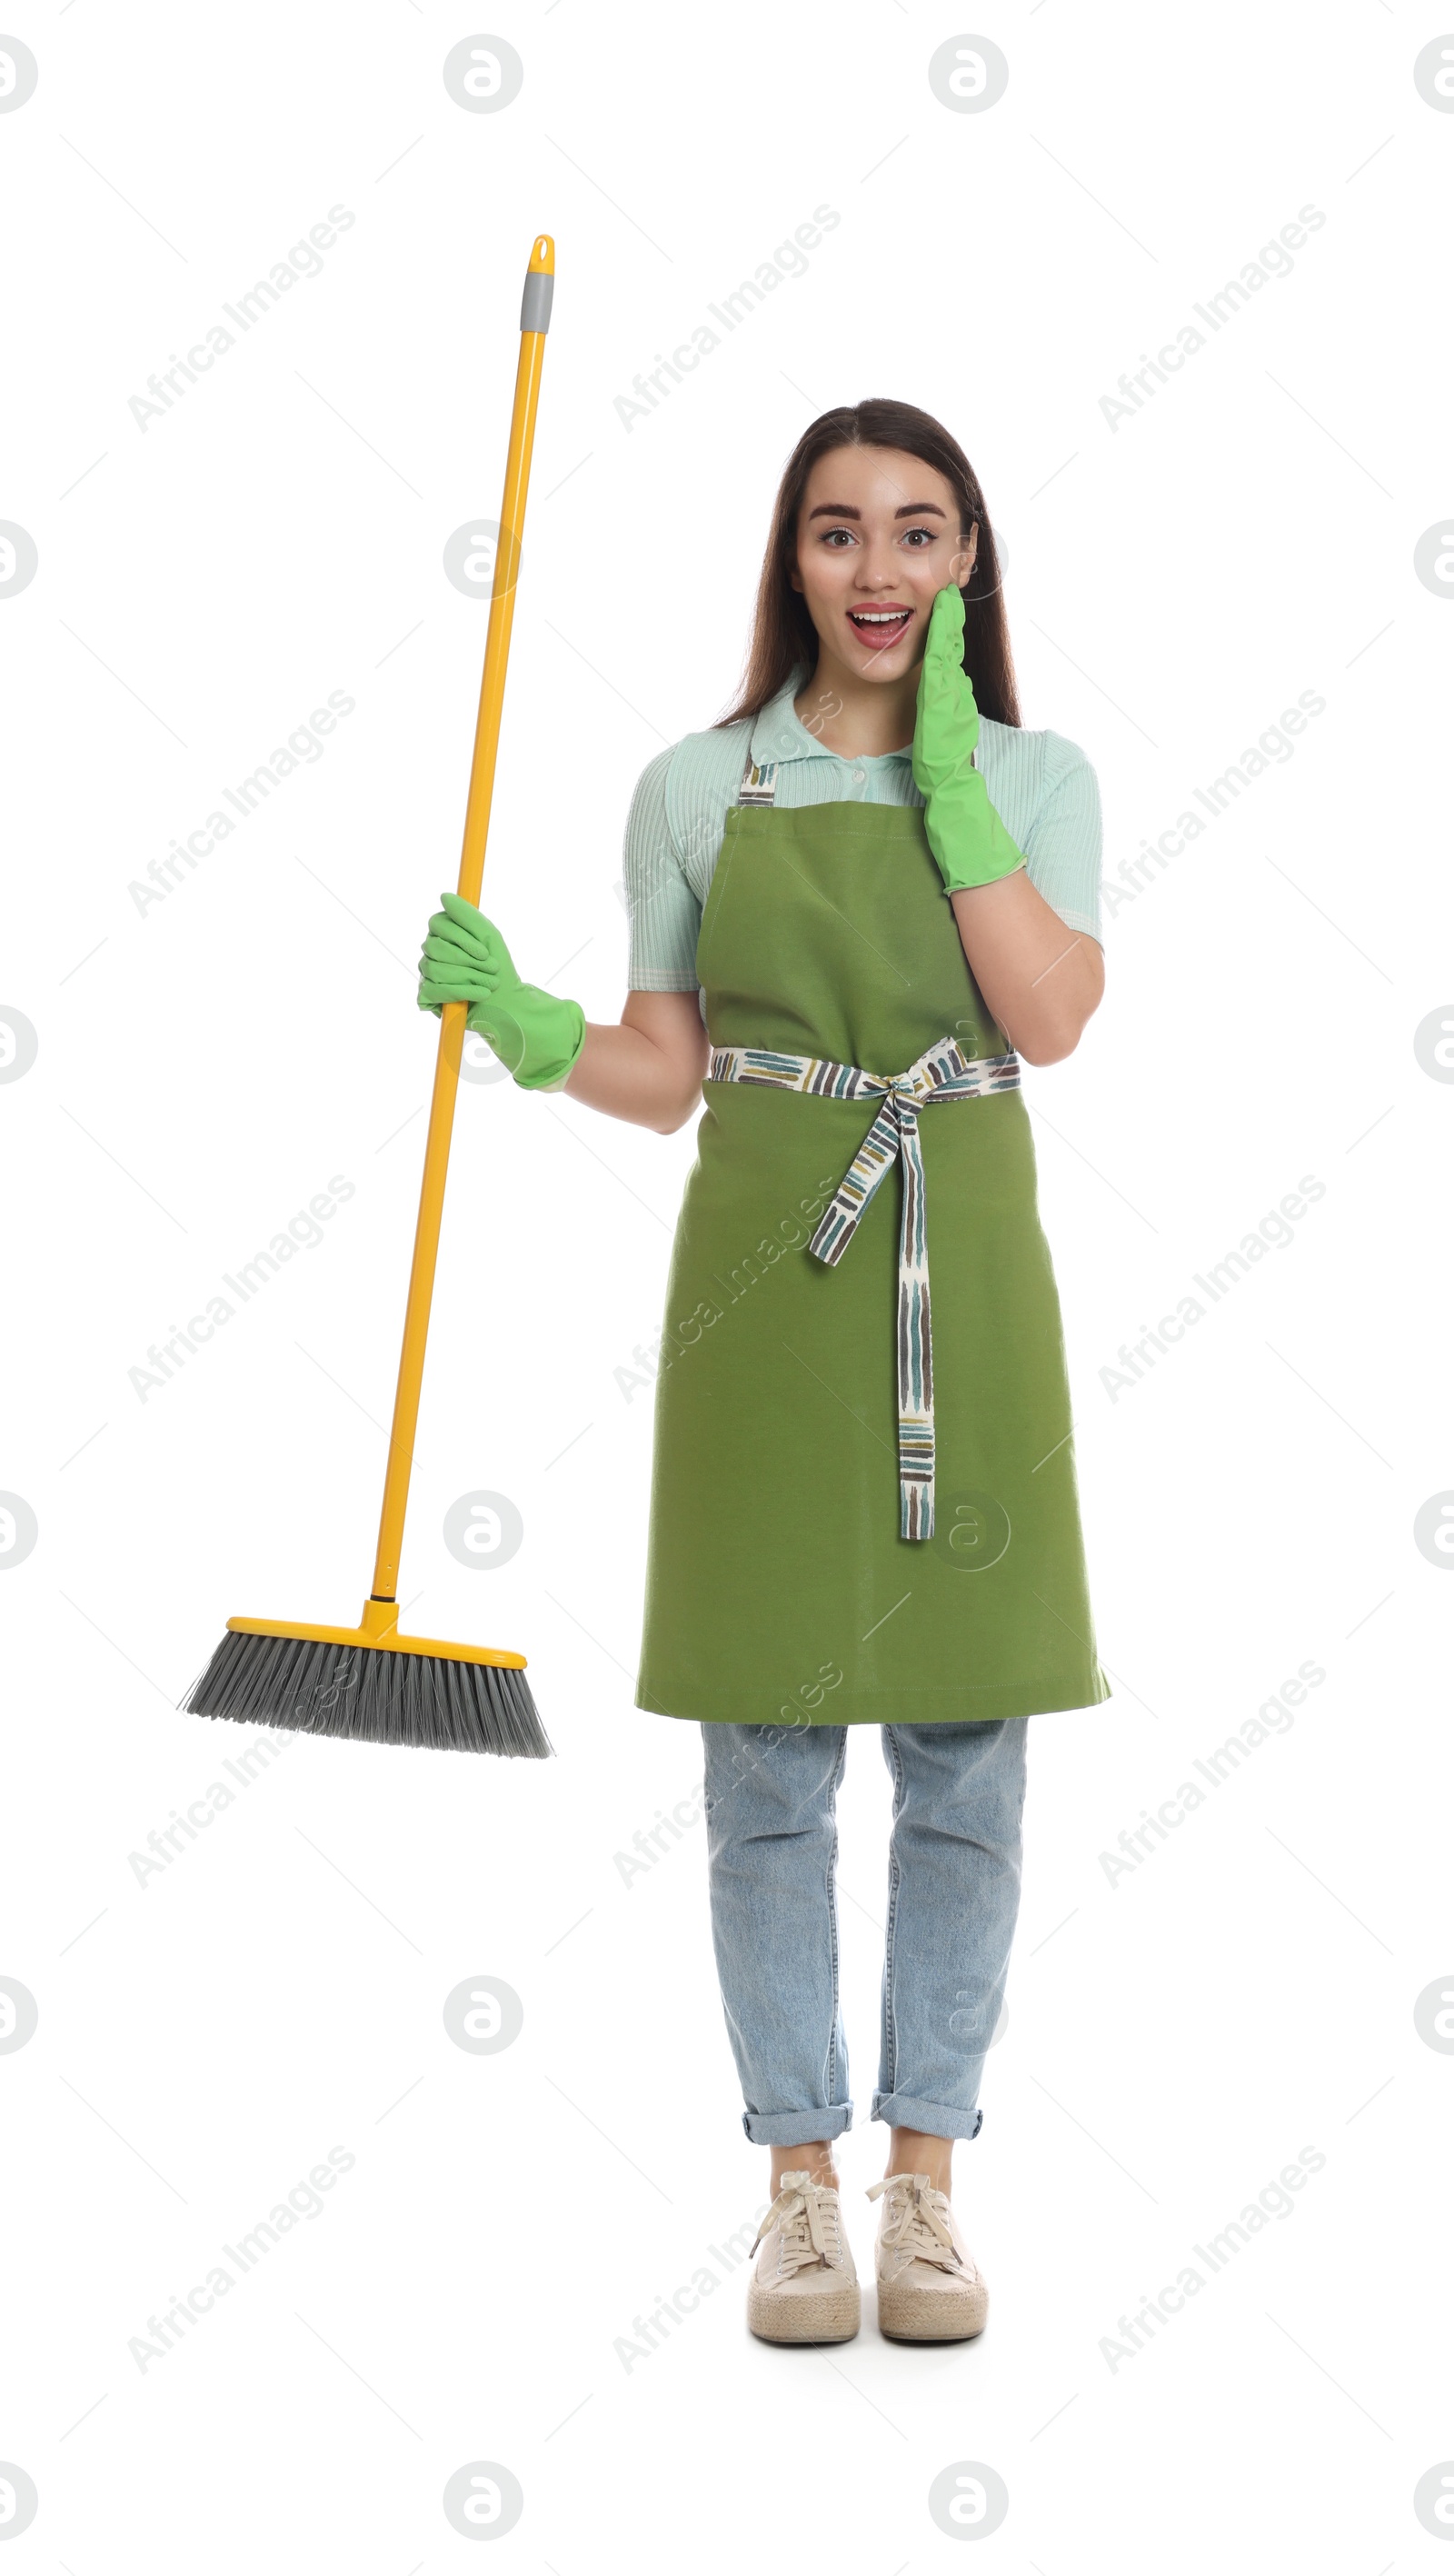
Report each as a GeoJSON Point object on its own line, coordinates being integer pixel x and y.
{"type": "Point", "coordinates": [856, 903]}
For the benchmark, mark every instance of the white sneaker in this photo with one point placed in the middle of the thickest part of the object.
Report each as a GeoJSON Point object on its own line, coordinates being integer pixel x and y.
{"type": "Point", "coordinates": [930, 2289]}
{"type": "Point", "coordinates": [804, 2288]}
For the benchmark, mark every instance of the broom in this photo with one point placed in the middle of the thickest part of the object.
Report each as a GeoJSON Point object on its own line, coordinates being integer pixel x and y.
{"type": "Point", "coordinates": [370, 1682]}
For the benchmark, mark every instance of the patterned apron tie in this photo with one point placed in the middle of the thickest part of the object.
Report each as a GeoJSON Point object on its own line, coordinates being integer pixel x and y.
{"type": "Point", "coordinates": [940, 1073]}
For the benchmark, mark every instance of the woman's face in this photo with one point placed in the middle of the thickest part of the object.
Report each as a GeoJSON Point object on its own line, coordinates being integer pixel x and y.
{"type": "Point", "coordinates": [878, 537]}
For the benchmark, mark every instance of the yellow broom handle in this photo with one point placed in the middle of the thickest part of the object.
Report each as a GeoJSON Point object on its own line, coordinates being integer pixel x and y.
{"type": "Point", "coordinates": [535, 311]}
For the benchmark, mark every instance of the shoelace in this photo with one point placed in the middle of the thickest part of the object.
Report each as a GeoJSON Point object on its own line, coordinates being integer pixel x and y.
{"type": "Point", "coordinates": [808, 2224]}
{"type": "Point", "coordinates": [915, 2225]}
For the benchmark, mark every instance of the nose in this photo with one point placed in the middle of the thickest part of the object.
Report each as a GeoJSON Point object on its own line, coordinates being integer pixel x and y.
{"type": "Point", "coordinates": [877, 569]}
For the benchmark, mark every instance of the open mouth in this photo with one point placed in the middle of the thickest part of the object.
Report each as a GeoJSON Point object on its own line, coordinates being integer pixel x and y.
{"type": "Point", "coordinates": [880, 627]}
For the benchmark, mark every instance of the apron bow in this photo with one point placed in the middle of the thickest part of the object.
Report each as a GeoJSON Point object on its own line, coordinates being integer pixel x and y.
{"type": "Point", "coordinates": [942, 1072]}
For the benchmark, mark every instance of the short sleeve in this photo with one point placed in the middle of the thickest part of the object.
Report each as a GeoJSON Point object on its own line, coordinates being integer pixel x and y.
{"type": "Point", "coordinates": [663, 912]}
{"type": "Point", "coordinates": [1063, 845]}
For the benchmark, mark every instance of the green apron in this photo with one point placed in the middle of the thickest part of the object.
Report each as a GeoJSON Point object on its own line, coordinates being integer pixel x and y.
{"type": "Point", "coordinates": [779, 1589]}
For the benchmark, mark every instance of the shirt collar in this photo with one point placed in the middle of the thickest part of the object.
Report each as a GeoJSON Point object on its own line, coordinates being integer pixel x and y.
{"type": "Point", "coordinates": [778, 734]}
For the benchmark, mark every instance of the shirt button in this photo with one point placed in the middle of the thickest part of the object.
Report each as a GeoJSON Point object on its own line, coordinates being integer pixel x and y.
{"type": "Point", "coordinates": [857, 777]}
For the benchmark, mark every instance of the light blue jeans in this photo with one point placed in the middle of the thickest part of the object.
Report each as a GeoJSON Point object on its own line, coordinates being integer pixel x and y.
{"type": "Point", "coordinates": [953, 1895]}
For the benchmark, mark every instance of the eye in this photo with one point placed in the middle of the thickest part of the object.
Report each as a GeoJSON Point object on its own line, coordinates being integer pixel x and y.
{"type": "Point", "coordinates": [926, 533]}
{"type": "Point", "coordinates": [831, 533]}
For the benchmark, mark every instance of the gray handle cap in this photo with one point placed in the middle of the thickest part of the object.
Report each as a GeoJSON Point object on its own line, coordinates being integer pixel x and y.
{"type": "Point", "coordinates": [535, 302]}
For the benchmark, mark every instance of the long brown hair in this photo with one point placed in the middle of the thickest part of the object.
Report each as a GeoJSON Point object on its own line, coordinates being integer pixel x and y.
{"type": "Point", "coordinates": [783, 634]}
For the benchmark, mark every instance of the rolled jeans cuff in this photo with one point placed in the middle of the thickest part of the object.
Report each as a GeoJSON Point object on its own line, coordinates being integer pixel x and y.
{"type": "Point", "coordinates": [796, 2128]}
{"type": "Point", "coordinates": [902, 2112]}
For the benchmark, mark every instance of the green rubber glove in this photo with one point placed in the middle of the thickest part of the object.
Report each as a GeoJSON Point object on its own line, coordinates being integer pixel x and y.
{"type": "Point", "coordinates": [464, 959]}
{"type": "Point", "coordinates": [965, 833]}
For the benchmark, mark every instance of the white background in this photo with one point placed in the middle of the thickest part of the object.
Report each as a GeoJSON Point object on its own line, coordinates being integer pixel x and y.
{"type": "Point", "coordinates": [1176, 2036]}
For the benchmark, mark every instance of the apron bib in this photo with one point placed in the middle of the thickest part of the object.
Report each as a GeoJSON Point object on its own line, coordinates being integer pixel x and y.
{"type": "Point", "coordinates": [783, 1586]}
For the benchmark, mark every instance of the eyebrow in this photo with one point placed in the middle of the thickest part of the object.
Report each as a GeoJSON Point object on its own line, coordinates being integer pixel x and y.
{"type": "Point", "coordinates": [845, 510]}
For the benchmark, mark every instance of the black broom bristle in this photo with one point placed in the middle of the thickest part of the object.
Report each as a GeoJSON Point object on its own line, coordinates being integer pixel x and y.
{"type": "Point", "coordinates": [377, 1695]}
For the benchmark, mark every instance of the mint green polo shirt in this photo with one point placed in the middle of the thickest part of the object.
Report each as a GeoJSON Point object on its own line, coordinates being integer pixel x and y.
{"type": "Point", "coordinates": [1043, 788]}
